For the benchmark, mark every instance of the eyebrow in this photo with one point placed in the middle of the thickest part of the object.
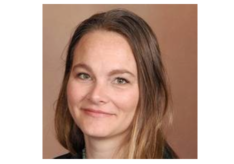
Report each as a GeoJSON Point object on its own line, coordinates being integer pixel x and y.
{"type": "Point", "coordinates": [111, 73]}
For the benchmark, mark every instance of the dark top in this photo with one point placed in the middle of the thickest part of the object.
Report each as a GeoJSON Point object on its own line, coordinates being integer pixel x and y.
{"type": "Point", "coordinates": [168, 154]}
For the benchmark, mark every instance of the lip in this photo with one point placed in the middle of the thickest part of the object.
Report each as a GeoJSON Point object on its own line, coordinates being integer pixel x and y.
{"type": "Point", "coordinates": [96, 112]}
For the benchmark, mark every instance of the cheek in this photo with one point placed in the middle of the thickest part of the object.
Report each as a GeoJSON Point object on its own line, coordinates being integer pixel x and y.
{"type": "Point", "coordinates": [127, 100]}
{"type": "Point", "coordinates": [74, 93]}
{"type": "Point", "coordinates": [126, 103]}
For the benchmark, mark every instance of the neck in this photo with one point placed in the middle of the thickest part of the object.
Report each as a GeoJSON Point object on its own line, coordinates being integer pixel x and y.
{"type": "Point", "coordinates": [103, 148]}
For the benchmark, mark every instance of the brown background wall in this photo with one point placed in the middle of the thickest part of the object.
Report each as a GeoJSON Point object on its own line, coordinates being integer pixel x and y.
{"type": "Point", "coordinates": [176, 29]}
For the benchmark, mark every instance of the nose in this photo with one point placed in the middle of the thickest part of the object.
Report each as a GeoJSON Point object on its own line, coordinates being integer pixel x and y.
{"type": "Point", "coordinates": [98, 94]}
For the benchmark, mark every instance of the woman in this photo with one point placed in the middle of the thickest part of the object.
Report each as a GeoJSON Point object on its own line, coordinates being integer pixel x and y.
{"type": "Point", "coordinates": [114, 96]}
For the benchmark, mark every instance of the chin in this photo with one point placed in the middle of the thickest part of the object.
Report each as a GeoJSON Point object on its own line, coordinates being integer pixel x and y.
{"type": "Point", "coordinates": [97, 128]}
{"type": "Point", "coordinates": [97, 135]}
{"type": "Point", "coordinates": [97, 132]}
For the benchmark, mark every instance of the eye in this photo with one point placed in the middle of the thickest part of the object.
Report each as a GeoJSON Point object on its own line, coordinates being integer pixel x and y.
{"type": "Point", "coordinates": [120, 80]}
{"type": "Point", "coordinates": [83, 76]}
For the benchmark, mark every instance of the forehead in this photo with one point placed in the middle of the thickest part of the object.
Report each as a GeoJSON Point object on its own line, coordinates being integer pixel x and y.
{"type": "Point", "coordinates": [110, 47]}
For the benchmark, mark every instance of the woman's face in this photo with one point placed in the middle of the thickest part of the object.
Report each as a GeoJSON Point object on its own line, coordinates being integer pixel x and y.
{"type": "Point", "coordinates": [102, 90]}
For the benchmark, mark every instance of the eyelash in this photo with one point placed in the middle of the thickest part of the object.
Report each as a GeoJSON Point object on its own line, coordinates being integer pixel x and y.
{"type": "Point", "coordinates": [120, 78]}
{"type": "Point", "coordinates": [117, 78]}
{"type": "Point", "coordinates": [85, 74]}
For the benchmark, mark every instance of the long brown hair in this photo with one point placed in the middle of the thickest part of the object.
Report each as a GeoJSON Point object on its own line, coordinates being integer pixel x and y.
{"type": "Point", "coordinates": [146, 139]}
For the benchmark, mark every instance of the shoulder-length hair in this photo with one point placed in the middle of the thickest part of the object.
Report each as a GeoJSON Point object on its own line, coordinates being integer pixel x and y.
{"type": "Point", "coordinates": [146, 138]}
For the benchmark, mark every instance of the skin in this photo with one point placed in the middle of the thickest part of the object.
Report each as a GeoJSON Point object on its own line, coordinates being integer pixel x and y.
{"type": "Point", "coordinates": [103, 91]}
